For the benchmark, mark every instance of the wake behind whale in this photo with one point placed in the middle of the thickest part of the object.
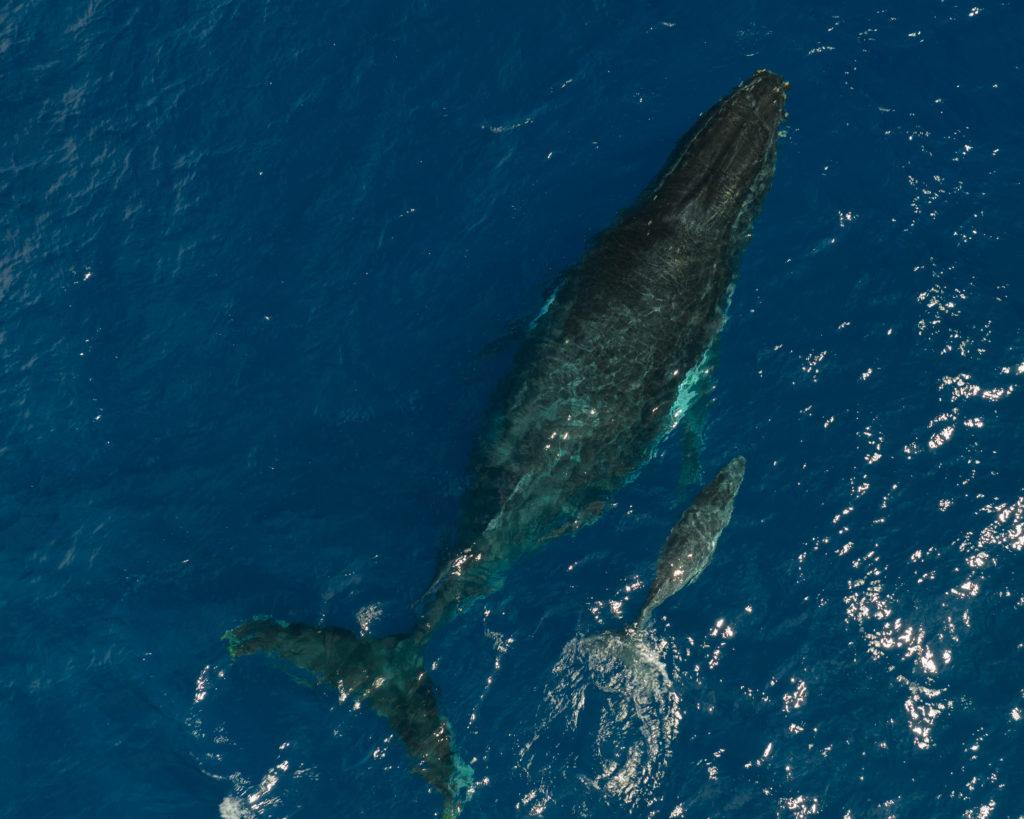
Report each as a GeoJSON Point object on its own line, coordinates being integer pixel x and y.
{"type": "Point", "coordinates": [590, 398]}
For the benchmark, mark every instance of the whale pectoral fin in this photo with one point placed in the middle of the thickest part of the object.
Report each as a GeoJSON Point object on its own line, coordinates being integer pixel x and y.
{"type": "Point", "coordinates": [588, 515]}
{"type": "Point", "coordinates": [694, 421]}
{"type": "Point", "coordinates": [690, 443]}
{"type": "Point", "coordinates": [502, 346]}
{"type": "Point", "coordinates": [564, 529]}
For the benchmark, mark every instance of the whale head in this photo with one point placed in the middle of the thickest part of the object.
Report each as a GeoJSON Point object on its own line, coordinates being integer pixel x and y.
{"type": "Point", "coordinates": [721, 169]}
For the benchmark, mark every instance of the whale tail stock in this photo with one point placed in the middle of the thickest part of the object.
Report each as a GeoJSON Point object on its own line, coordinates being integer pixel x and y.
{"type": "Point", "coordinates": [387, 673]}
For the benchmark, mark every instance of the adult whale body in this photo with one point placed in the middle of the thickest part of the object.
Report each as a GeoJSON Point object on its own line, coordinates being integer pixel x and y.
{"type": "Point", "coordinates": [590, 398]}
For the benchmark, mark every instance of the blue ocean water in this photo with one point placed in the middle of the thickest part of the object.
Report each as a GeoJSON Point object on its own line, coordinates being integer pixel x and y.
{"type": "Point", "coordinates": [263, 266]}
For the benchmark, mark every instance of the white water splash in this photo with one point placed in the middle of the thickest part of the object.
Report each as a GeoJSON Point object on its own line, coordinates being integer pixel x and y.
{"type": "Point", "coordinates": [232, 808]}
{"type": "Point", "coordinates": [624, 684]}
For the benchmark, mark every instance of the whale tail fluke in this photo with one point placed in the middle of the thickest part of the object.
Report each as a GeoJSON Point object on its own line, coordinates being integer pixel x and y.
{"type": "Point", "coordinates": [386, 673]}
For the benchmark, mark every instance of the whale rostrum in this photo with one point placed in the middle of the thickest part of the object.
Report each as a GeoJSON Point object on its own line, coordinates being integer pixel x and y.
{"type": "Point", "coordinates": [590, 397]}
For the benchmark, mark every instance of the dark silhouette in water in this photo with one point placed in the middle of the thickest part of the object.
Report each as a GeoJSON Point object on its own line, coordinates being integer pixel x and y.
{"type": "Point", "coordinates": [589, 400]}
{"type": "Point", "coordinates": [692, 541]}
{"type": "Point", "coordinates": [387, 674]}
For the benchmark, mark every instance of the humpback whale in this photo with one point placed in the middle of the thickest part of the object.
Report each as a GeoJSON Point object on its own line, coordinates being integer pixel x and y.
{"type": "Point", "coordinates": [692, 541]}
{"type": "Point", "coordinates": [590, 398]}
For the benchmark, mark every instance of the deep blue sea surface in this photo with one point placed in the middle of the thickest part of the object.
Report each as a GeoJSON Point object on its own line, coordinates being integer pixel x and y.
{"type": "Point", "coordinates": [263, 266]}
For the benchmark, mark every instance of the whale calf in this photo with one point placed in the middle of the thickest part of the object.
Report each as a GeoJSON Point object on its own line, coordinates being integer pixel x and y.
{"type": "Point", "coordinates": [623, 674]}
{"type": "Point", "coordinates": [692, 541]}
{"type": "Point", "coordinates": [590, 397]}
